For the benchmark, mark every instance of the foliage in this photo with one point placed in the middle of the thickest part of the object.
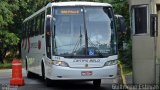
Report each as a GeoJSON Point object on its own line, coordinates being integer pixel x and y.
{"type": "Point", "coordinates": [6, 15]}
{"type": "Point", "coordinates": [8, 41]}
{"type": "Point", "coordinates": [12, 14]}
{"type": "Point", "coordinates": [26, 8]}
{"type": "Point", "coordinates": [5, 66]}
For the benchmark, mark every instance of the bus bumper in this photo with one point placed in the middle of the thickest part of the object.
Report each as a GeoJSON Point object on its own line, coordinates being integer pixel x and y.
{"type": "Point", "coordinates": [66, 73]}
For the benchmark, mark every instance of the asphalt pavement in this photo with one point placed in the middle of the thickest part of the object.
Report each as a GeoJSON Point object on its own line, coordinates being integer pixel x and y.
{"type": "Point", "coordinates": [38, 83]}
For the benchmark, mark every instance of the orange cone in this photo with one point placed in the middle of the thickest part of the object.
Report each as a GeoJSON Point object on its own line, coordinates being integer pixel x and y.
{"type": "Point", "coordinates": [17, 79]}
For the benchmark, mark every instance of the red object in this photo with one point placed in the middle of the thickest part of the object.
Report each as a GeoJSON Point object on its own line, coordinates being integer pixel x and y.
{"type": "Point", "coordinates": [17, 79]}
{"type": "Point", "coordinates": [39, 44]}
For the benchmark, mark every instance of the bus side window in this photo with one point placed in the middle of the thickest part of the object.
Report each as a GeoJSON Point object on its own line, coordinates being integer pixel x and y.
{"type": "Point", "coordinates": [49, 11]}
{"type": "Point", "coordinates": [25, 34]}
{"type": "Point", "coordinates": [40, 27]}
{"type": "Point", "coordinates": [36, 26]}
{"type": "Point", "coordinates": [31, 27]}
{"type": "Point", "coordinates": [27, 28]}
{"type": "Point", "coordinates": [42, 23]}
{"type": "Point", "coordinates": [23, 31]}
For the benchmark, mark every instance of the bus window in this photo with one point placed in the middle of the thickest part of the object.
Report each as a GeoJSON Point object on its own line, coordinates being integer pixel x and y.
{"type": "Point", "coordinates": [42, 23]}
{"type": "Point", "coordinates": [36, 26]}
{"type": "Point", "coordinates": [25, 30]}
{"type": "Point", "coordinates": [28, 31]}
{"type": "Point", "coordinates": [39, 24]}
{"type": "Point", "coordinates": [49, 11]}
{"type": "Point", "coordinates": [31, 27]}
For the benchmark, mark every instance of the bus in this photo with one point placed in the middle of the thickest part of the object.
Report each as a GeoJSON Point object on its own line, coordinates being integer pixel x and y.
{"type": "Point", "coordinates": [73, 40]}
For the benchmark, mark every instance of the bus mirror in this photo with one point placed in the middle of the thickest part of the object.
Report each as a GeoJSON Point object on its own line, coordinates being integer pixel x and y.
{"type": "Point", "coordinates": [121, 23]}
{"type": "Point", "coordinates": [54, 19]}
{"type": "Point", "coordinates": [49, 16]}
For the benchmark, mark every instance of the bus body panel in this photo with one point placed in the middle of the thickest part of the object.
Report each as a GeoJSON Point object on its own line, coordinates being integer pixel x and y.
{"type": "Point", "coordinates": [34, 53]}
{"type": "Point", "coordinates": [75, 69]}
{"type": "Point", "coordinates": [66, 73]}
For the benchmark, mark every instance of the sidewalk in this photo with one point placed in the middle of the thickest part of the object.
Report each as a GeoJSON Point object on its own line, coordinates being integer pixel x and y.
{"type": "Point", "coordinates": [129, 79]}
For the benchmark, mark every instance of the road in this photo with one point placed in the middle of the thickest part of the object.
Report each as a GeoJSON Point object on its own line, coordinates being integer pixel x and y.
{"type": "Point", "coordinates": [37, 83]}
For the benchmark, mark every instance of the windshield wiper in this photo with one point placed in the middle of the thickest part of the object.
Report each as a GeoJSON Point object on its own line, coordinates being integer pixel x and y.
{"type": "Point", "coordinates": [79, 42]}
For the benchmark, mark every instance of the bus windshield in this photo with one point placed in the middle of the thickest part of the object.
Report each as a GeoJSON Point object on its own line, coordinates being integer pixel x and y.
{"type": "Point", "coordinates": [78, 30]}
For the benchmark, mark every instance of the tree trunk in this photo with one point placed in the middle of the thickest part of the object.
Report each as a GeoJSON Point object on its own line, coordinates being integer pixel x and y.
{"type": "Point", "coordinates": [1, 60]}
{"type": "Point", "coordinates": [19, 49]}
{"type": "Point", "coordinates": [2, 55]}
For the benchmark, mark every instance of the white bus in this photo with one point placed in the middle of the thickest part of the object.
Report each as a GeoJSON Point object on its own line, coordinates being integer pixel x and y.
{"type": "Point", "coordinates": [71, 41]}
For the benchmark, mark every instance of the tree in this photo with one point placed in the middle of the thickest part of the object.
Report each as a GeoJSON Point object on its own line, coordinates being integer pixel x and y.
{"type": "Point", "coordinates": [12, 14]}
{"type": "Point", "coordinates": [6, 15]}
{"type": "Point", "coordinates": [8, 41]}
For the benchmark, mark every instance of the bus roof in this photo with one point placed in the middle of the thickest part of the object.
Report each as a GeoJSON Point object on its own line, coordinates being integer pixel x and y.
{"type": "Point", "coordinates": [69, 3]}
{"type": "Point", "coordinates": [79, 3]}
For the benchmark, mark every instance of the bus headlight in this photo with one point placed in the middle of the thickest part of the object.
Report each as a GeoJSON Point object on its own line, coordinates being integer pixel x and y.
{"type": "Point", "coordinates": [59, 63]}
{"type": "Point", "coordinates": [111, 62]}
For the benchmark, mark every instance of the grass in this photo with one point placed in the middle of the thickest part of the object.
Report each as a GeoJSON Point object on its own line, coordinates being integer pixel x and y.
{"type": "Point", "coordinates": [127, 70]}
{"type": "Point", "coordinates": [5, 66]}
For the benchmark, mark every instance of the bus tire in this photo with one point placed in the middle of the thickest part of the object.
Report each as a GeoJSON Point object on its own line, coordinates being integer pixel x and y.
{"type": "Point", "coordinates": [97, 83]}
{"type": "Point", "coordinates": [43, 71]}
{"type": "Point", "coordinates": [29, 74]}
{"type": "Point", "coordinates": [48, 82]}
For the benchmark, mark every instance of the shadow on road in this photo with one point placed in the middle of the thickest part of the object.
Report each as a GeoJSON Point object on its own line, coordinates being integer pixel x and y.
{"type": "Point", "coordinates": [39, 84]}
{"type": "Point", "coordinates": [75, 85]}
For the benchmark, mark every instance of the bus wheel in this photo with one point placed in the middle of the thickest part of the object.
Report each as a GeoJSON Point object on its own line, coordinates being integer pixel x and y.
{"type": "Point", "coordinates": [29, 74]}
{"type": "Point", "coordinates": [97, 83]}
{"type": "Point", "coordinates": [43, 71]}
{"type": "Point", "coordinates": [48, 82]}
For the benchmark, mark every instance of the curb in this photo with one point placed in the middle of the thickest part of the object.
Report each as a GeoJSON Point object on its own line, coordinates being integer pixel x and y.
{"type": "Point", "coordinates": [123, 77]}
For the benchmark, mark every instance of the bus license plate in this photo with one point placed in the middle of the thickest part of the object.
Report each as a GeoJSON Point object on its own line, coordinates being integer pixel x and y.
{"type": "Point", "coordinates": [86, 73]}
